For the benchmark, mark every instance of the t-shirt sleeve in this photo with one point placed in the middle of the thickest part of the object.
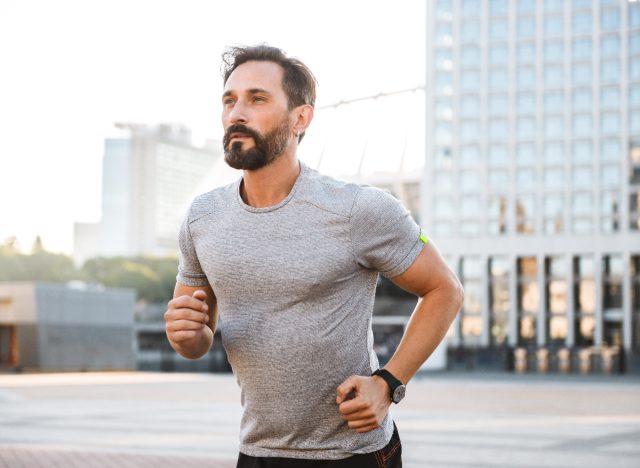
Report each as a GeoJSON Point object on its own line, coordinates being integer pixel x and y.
{"type": "Point", "coordinates": [384, 235]}
{"type": "Point", "coordinates": [189, 270]}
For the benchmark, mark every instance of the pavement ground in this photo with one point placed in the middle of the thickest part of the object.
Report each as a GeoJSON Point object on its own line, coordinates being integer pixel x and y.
{"type": "Point", "coordinates": [140, 420]}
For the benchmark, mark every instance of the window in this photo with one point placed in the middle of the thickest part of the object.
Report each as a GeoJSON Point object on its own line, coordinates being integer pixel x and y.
{"type": "Point", "coordinates": [634, 121]}
{"type": "Point", "coordinates": [469, 106]}
{"type": "Point", "coordinates": [444, 6]}
{"type": "Point", "coordinates": [582, 226]}
{"type": "Point", "coordinates": [498, 29]}
{"type": "Point", "coordinates": [634, 70]}
{"type": "Point", "coordinates": [582, 99]}
{"type": "Point", "coordinates": [553, 25]}
{"type": "Point", "coordinates": [610, 97]}
{"type": "Point", "coordinates": [582, 152]}
{"type": "Point", "coordinates": [443, 229]}
{"type": "Point", "coordinates": [443, 133]}
{"type": "Point", "coordinates": [443, 157]}
{"type": "Point", "coordinates": [526, 179]}
{"type": "Point", "coordinates": [610, 176]}
{"type": "Point", "coordinates": [581, 74]}
{"type": "Point", "coordinates": [528, 300]}
{"type": "Point", "coordinates": [526, 6]}
{"type": "Point", "coordinates": [612, 274]}
{"type": "Point", "coordinates": [526, 26]}
{"type": "Point", "coordinates": [498, 104]}
{"type": "Point", "coordinates": [582, 49]}
{"type": "Point", "coordinates": [469, 80]}
{"type": "Point", "coordinates": [634, 95]}
{"type": "Point", "coordinates": [585, 299]}
{"type": "Point", "coordinates": [634, 43]}
{"type": "Point", "coordinates": [498, 129]}
{"type": "Point", "coordinates": [471, 320]}
{"type": "Point", "coordinates": [582, 124]}
{"type": "Point", "coordinates": [498, 54]}
{"type": "Point", "coordinates": [526, 154]}
{"type": "Point", "coordinates": [553, 5]}
{"type": "Point", "coordinates": [553, 102]}
{"type": "Point", "coordinates": [581, 4]}
{"type": "Point", "coordinates": [557, 293]}
{"type": "Point", "coordinates": [553, 76]}
{"type": "Point", "coordinates": [469, 156]}
{"type": "Point", "coordinates": [554, 153]}
{"type": "Point", "coordinates": [444, 32]}
{"type": "Point", "coordinates": [470, 8]}
{"type": "Point", "coordinates": [553, 126]}
{"type": "Point", "coordinates": [497, 214]}
{"type": "Point", "coordinates": [443, 182]}
{"type": "Point", "coordinates": [499, 180]}
{"type": "Point", "coordinates": [582, 204]}
{"type": "Point", "coordinates": [610, 151]}
{"type": "Point", "coordinates": [610, 20]}
{"type": "Point", "coordinates": [610, 204]}
{"type": "Point", "coordinates": [499, 299]}
{"type": "Point", "coordinates": [498, 79]}
{"type": "Point", "coordinates": [610, 122]}
{"type": "Point", "coordinates": [553, 214]}
{"type": "Point", "coordinates": [634, 211]}
{"type": "Point", "coordinates": [553, 51]}
{"type": "Point", "coordinates": [581, 22]}
{"type": "Point", "coordinates": [498, 155]}
{"type": "Point", "coordinates": [526, 103]}
{"type": "Point", "coordinates": [525, 213]}
{"type": "Point", "coordinates": [526, 127]}
{"type": "Point", "coordinates": [526, 77]}
{"type": "Point", "coordinates": [498, 7]}
{"type": "Point", "coordinates": [526, 53]}
{"type": "Point", "coordinates": [444, 58]}
{"type": "Point", "coordinates": [444, 82]}
{"type": "Point", "coordinates": [470, 56]}
{"type": "Point", "coordinates": [553, 178]}
{"type": "Point", "coordinates": [610, 70]}
{"type": "Point", "coordinates": [443, 207]}
{"type": "Point", "coordinates": [444, 107]}
{"type": "Point", "coordinates": [470, 130]}
{"type": "Point", "coordinates": [470, 31]}
{"type": "Point", "coordinates": [610, 46]}
{"type": "Point", "coordinates": [470, 206]}
{"type": "Point", "coordinates": [469, 228]}
{"type": "Point", "coordinates": [634, 16]}
{"type": "Point", "coordinates": [469, 181]}
{"type": "Point", "coordinates": [582, 177]}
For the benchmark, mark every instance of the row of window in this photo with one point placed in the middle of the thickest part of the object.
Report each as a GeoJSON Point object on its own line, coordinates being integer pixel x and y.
{"type": "Point", "coordinates": [581, 125]}
{"type": "Point", "coordinates": [552, 153]}
{"type": "Point", "coordinates": [501, 7]}
{"type": "Point", "coordinates": [497, 104]}
{"type": "Point", "coordinates": [558, 293]}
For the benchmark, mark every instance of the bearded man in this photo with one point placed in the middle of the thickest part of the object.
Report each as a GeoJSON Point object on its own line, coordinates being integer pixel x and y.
{"type": "Point", "coordinates": [289, 259]}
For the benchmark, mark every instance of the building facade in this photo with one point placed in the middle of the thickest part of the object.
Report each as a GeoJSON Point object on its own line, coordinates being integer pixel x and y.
{"type": "Point", "coordinates": [150, 174]}
{"type": "Point", "coordinates": [533, 174]}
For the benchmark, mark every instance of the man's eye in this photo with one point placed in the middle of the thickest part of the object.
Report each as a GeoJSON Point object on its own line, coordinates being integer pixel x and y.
{"type": "Point", "coordinates": [227, 101]}
{"type": "Point", "coordinates": [258, 98]}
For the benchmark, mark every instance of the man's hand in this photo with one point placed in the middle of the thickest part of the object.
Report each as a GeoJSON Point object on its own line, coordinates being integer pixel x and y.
{"type": "Point", "coordinates": [368, 408]}
{"type": "Point", "coordinates": [186, 323]}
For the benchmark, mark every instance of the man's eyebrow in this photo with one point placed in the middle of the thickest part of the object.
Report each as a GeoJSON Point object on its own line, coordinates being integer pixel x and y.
{"type": "Point", "coordinates": [250, 91]}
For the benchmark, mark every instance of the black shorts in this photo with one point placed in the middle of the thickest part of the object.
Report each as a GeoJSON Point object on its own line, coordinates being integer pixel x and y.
{"type": "Point", "coordinates": [389, 456]}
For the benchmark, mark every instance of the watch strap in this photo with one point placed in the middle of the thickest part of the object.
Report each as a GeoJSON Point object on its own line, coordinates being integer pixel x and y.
{"type": "Point", "coordinates": [389, 378]}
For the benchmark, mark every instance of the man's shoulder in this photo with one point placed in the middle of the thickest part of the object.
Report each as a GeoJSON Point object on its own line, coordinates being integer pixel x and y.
{"type": "Point", "coordinates": [211, 201]}
{"type": "Point", "coordinates": [331, 194]}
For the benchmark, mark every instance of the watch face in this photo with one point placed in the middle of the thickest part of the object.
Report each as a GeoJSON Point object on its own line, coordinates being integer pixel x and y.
{"type": "Point", "coordinates": [399, 393]}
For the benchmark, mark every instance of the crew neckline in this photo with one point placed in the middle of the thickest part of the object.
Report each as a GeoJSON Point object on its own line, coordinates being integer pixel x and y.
{"type": "Point", "coordinates": [266, 209]}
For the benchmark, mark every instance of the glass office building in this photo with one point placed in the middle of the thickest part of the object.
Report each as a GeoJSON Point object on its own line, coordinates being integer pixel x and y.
{"type": "Point", "coordinates": [532, 181]}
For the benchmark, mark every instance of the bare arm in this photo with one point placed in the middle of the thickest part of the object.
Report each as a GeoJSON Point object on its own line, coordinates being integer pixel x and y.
{"type": "Point", "coordinates": [190, 320]}
{"type": "Point", "coordinates": [440, 298]}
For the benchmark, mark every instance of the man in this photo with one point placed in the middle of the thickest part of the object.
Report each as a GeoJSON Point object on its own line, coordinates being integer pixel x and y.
{"type": "Point", "coordinates": [289, 258]}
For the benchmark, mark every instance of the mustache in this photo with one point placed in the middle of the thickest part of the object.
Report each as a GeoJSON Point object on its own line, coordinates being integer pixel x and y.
{"type": "Point", "coordinates": [239, 128]}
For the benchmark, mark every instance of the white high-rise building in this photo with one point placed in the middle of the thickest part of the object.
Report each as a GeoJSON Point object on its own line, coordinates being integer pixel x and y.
{"type": "Point", "coordinates": [533, 172]}
{"type": "Point", "coordinates": [150, 175]}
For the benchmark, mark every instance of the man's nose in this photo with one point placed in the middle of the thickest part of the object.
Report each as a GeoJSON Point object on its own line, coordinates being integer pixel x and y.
{"type": "Point", "coordinates": [238, 114]}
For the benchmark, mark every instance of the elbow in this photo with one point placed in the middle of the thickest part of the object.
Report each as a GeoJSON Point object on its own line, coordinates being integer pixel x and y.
{"type": "Point", "coordinates": [457, 296]}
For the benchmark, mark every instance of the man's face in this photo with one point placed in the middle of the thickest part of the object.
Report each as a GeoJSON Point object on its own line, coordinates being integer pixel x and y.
{"type": "Point", "coordinates": [255, 116]}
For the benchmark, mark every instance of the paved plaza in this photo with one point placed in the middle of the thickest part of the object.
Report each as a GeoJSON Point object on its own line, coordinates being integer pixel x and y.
{"type": "Point", "coordinates": [128, 420]}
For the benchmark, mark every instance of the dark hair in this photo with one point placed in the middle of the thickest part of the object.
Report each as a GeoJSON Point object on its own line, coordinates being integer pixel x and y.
{"type": "Point", "coordinates": [298, 82]}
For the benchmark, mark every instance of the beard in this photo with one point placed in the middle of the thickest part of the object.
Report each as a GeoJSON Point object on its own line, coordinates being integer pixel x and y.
{"type": "Point", "coordinates": [266, 148]}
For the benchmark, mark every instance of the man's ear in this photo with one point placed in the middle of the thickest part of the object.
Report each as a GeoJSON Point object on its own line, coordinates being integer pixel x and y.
{"type": "Point", "coordinates": [303, 118]}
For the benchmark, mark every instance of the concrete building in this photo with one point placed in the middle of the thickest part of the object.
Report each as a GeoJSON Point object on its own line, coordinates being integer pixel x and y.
{"type": "Point", "coordinates": [150, 174]}
{"type": "Point", "coordinates": [532, 181]}
{"type": "Point", "coordinates": [51, 326]}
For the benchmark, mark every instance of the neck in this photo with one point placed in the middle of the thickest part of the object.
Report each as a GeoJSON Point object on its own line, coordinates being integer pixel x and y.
{"type": "Point", "coordinates": [270, 185]}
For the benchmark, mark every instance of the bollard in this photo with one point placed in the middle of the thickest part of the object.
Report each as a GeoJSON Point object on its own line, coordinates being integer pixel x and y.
{"type": "Point", "coordinates": [542, 360]}
{"type": "Point", "coordinates": [520, 360]}
{"type": "Point", "coordinates": [564, 360]}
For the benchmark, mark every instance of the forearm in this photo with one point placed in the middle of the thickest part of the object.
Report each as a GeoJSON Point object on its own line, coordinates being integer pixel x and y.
{"type": "Point", "coordinates": [196, 347]}
{"type": "Point", "coordinates": [427, 327]}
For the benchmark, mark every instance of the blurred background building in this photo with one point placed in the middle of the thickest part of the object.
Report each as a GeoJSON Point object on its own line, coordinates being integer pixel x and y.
{"type": "Point", "coordinates": [533, 174]}
{"type": "Point", "coordinates": [149, 176]}
{"type": "Point", "coordinates": [66, 327]}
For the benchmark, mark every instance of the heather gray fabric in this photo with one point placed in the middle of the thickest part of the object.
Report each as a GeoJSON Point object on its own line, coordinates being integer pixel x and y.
{"type": "Point", "coordinates": [295, 285]}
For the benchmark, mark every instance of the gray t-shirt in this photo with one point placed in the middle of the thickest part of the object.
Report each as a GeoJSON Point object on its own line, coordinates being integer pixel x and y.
{"type": "Point", "coordinates": [295, 285]}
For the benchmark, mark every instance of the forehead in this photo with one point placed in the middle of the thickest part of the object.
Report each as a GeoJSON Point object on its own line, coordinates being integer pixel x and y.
{"type": "Point", "coordinates": [256, 75]}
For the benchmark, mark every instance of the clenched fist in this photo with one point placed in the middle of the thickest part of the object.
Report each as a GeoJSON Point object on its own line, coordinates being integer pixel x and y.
{"type": "Point", "coordinates": [186, 324]}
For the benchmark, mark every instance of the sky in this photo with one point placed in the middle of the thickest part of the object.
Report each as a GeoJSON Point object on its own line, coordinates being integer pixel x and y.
{"type": "Point", "coordinates": [71, 69]}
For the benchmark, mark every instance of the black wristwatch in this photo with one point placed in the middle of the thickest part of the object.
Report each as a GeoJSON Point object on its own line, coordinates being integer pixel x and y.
{"type": "Point", "coordinates": [398, 389]}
